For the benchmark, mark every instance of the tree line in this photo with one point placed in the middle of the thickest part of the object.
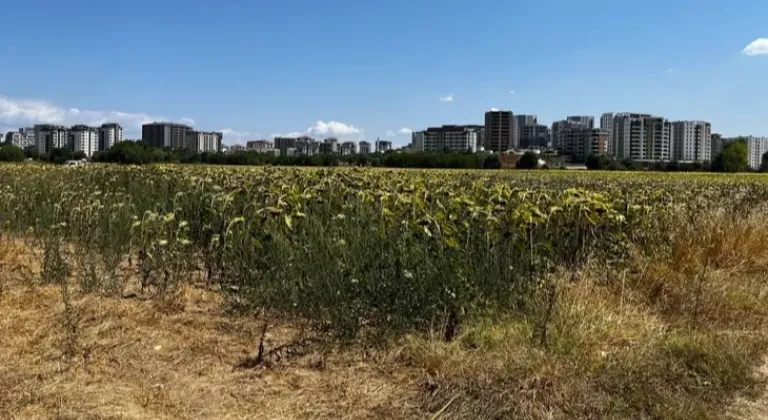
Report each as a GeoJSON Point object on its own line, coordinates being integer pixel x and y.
{"type": "Point", "coordinates": [733, 158]}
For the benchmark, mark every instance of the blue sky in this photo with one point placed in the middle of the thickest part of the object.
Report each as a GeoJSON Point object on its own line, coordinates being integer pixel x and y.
{"type": "Point", "coordinates": [361, 69]}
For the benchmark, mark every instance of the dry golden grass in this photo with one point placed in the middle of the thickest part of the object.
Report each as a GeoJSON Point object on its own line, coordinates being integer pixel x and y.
{"type": "Point", "coordinates": [141, 360]}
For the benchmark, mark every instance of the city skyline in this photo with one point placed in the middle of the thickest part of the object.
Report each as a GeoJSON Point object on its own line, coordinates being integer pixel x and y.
{"type": "Point", "coordinates": [382, 70]}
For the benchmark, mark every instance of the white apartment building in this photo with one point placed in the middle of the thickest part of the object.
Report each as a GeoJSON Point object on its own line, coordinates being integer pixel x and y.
{"type": "Point", "coordinates": [49, 137]}
{"type": "Point", "coordinates": [110, 134]}
{"type": "Point", "coordinates": [692, 141]}
{"type": "Point", "coordinates": [606, 124]}
{"type": "Point", "coordinates": [642, 137]}
{"type": "Point", "coordinates": [348, 148]}
{"type": "Point", "coordinates": [201, 141]}
{"type": "Point", "coordinates": [453, 138]}
{"type": "Point", "coordinates": [756, 148]}
{"type": "Point", "coordinates": [84, 139]}
{"type": "Point", "coordinates": [417, 141]}
{"type": "Point", "coordinates": [15, 138]}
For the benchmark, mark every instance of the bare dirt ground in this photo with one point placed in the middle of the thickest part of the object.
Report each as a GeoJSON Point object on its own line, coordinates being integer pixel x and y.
{"type": "Point", "coordinates": [138, 360]}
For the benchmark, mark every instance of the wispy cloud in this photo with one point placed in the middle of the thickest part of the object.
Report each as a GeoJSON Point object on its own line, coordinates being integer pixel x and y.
{"type": "Point", "coordinates": [512, 92]}
{"type": "Point", "coordinates": [494, 109]}
{"type": "Point", "coordinates": [447, 98]}
{"type": "Point", "coordinates": [20, 112]}
{"type": "Point", "coordinates": [757, 47]}
{"type": "Point", "coordinates": [673, 70]}
{"type": "Point", "coordinates": [404, 131]}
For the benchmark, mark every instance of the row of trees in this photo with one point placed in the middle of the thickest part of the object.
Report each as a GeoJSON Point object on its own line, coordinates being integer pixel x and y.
{"type": "Point", "coordinates": [137, 153]}
{"type": "Point", "coordinates": [10, 153]}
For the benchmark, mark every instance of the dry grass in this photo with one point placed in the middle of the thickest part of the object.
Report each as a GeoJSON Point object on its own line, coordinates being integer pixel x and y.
{"type": "Point", "coordinates": [143, 360]}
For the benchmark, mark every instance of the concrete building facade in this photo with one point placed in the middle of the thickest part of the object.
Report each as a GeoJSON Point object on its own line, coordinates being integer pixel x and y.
{"type": "Point", "coordinates": [202, 141]}
{"type": "Point", "coordinates": [49, 137]}
{"type": "Point", "coordinates": [500, 131]}
{"type": "Point", "coordinates": [521, 121]}
{"type": "Point", "coordinates": [642, 137]}
{"type": "Point", "coordinates": [756, 148]}
{"type": "Point", "coordinates": [534, 136]}
{"type": "Point", "coordinates": [348, 148]}
{"type": "Point", "coordinates": [691, 141]}
{"type": "Point", "coordinates": [383, 146]}
{"type": "Point", "coordinates": [83, 138]}
{"type": "Point", "coordinates": [606, 124]}
{"type": "Point", "coordinates": [450, 138]}
{"type": "Point", "coordinates": [109, 135]}
{"type": "Point", "coordinates": [365, 147]}
{"type": "Point", "coordinates": [165, 134]}
{"type": "Point", "coordinates": [583, 121]}
{"type": "Point", "coordinates": [580, 142]}
{"type": "Point", "coordinates": [260, 146]}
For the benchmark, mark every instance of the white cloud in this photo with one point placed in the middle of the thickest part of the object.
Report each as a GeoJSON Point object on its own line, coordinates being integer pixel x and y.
{"type": "Point", "coordinates": [673, 70]}
{"type": "Point", "coordinates": [21, 112]}
{"type": "Point", "coordinates": [757, 47]}
{"type": "Point", "coordinates": [494, 109]}
{"type": "Point", "coordinates": [512, 92]}
{"type": "Point", "coordinates": [233, 136]}
{"type": "Point", "coordinates": [447, 98]}
{"type": "Point", "coordinates": [187, 121]}
{"type": "Point", "coordinates": [390, 133]}
{"type": "Point", "coordinates": [333, 128]}
{"type": "Point", "coordinates": [405, 131]}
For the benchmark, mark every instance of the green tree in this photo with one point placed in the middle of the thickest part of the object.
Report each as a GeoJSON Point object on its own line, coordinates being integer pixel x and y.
{"type": "Point", "coordinates": [529, 160]}
{"type": "Point", "coordinates": [733, 158]}
{"type": "Point", "coordinates": [11, 154]}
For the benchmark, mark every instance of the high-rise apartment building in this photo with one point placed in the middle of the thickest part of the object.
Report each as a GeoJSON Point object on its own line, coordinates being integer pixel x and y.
{"type": "Point", "coordinates": [557, 127]}
{"type": "Point", "coordinates": [417, 141]}
{"type": "Point", "coordinates": [307, 146]}
{"type": "Point", "coordinates": [583, 121]}
{"type": "Point", "coordinates": [203, 142]}
{"type": "Point", "coordinates": [383, 146]}
{"type": "Point", "coordinates": [330, 146]}
{"type": "Point", "coordinates": [348, 148]}
{"type": "Point", "coordinates": [110, 134]}
{"type": "Point", "coordinates": [606, 124]}
{"type": "Point", "coordinates": [260, 146]}
{"type": "Point", "coordinates": [83, 138]}
{"type": "Point", "coordinates": [453, 138]}
{"type": "Point", "coordinates": [520, 122]}
{"type": "Point", "coordinates": [642, 137]}
{"type": "Point", "coordinates": [534, 136]}
{"type": "Point", "coordinates": [286, 145]}
{"type": "Point", "coordinates": [49, 137]}
{"type": "Point", "coordinates": [500, 131]}
{"type": "Point", "coordinates": [165, 134]}
{"type": "Point", "coordinates": [756, 148]}
{"type": "Point", "coordinates": [691, 141]}
{"type": "Point", "coordinates": [580, 142]}
{"type": "Point", "coordinates": [365, 147]}
{"type": "Point", "coordinates": [15, 138]}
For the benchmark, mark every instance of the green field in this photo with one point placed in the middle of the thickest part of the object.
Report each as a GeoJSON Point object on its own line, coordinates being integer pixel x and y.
{"type": "Point", "coordinates": [544, 294]}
